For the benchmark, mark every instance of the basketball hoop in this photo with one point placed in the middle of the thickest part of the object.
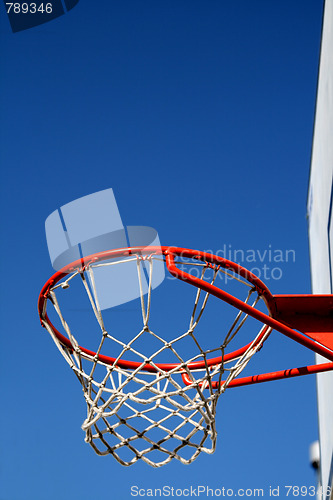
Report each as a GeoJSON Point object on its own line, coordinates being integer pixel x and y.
{"type": "Point", "coordinates": [159, 405]}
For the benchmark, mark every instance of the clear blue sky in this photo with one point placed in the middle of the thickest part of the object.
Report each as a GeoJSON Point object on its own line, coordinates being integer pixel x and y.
{"type": "Point", "coordinates": [200, 116]}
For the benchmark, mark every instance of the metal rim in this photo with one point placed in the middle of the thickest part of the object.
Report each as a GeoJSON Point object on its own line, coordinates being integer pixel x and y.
{"type": "Point", "coordinates": [170, 253]}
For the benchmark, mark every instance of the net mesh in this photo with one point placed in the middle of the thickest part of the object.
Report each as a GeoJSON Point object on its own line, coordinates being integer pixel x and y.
{"type": "Point", "coordinates": [151, 411]}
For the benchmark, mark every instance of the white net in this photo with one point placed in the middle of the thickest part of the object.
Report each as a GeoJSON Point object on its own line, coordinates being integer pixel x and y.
{"type": "Point", "coordinates": [142, 409]}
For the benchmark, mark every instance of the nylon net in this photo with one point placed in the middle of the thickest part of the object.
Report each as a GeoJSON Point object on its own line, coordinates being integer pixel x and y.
{"type": "Point", "coordinates": [149, 410]}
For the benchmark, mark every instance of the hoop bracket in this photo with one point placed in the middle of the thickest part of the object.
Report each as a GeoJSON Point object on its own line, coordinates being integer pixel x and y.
{"type": "Point", "coordinates": [310, 314]}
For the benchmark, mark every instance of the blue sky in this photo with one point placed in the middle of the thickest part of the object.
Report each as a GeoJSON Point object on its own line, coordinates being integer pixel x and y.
{"type": "Point", "coordinates": [200, 116]}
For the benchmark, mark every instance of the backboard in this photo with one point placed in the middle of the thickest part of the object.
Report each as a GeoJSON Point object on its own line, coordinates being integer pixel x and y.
{"type": "Point", "coordinates": [320, 203]}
